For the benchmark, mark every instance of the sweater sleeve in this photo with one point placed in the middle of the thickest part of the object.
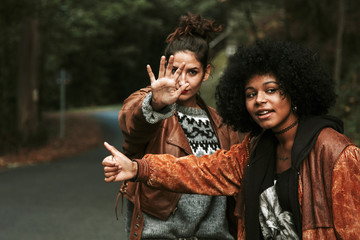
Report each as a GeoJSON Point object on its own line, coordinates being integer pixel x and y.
{"type": "Point", "coordinates": [346, 194]}
{"type": "Point", "coordinates": [152, 116]}
{"type": "Point", "coordinates": [218, 174]}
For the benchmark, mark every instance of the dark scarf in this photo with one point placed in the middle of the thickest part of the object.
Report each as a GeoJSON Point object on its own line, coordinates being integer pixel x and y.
{"type": "Point", "coordinates": [260, 171]}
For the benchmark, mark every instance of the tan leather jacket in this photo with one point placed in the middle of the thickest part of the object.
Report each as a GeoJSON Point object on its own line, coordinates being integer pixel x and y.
{"type": "Point", "coordinates": [329, 183]}
{"type": "Point", "coordinates": [167, 136]}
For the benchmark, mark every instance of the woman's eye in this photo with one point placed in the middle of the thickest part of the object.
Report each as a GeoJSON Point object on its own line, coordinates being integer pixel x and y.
{"type": "Point", "coordinates": [193, 72]}
{"type": "Point", "coordinates": [174, 70]}
{"type": "Point", "coordinates": [250, 95]}
{"type": "Point", "coordinates": [272, 90]}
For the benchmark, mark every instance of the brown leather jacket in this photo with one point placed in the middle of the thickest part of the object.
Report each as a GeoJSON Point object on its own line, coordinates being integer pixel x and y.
{"type": "Point", "coordinates": [329, 183]}
{"type": "Point", "coordinates": [167, 136]}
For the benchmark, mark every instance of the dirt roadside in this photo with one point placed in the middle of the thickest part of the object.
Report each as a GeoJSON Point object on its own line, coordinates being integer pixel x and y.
{"type": "Point", "coordinates": [81, 133]}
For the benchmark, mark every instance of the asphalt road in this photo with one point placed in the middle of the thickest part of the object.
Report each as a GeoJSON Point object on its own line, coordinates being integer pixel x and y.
{"type": "Point", "coordinates": [63, 200]}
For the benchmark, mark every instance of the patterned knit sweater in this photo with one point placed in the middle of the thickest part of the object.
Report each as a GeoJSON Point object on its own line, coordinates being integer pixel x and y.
{"type": "Point", "coordinates": [198, 216]}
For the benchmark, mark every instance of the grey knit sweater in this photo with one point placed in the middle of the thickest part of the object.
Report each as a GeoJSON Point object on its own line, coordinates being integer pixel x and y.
{"type": "Point", "coordinates": [198, 216]}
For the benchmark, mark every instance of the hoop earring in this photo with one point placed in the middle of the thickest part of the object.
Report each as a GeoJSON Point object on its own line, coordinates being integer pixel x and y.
{"type": "Point", "coordinates": [294, 109]}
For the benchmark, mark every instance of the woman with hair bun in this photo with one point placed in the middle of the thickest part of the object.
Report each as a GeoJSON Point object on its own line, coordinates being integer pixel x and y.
{"type": "Point", "coordinates": [169, 117]}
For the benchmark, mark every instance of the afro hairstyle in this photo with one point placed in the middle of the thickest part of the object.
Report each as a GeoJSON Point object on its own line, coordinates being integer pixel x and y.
{"type": "Point", "coordinates": [297, 70]}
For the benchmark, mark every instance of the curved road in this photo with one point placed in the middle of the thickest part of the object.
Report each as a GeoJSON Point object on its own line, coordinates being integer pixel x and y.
{"type": "Point", "coordinates": [63, 200]}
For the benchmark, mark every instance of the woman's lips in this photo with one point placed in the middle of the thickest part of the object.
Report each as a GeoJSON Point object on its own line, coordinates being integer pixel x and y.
{"type": "Point", "coordinates": [184, 92]}
{"type": "Point", "coordinates": [265, 114]}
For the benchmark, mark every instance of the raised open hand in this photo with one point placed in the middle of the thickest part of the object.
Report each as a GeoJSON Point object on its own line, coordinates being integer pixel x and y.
{"type": "Point", "coordinates": [167, 88]}
{"type": "Point", "coordinates": [118, 167]}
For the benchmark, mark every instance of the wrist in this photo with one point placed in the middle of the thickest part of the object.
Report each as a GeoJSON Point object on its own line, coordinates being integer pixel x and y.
{"type": "Point", "coordinates": [143, 170]}
{"type": "Point", "coordinates": [156, 106]}
{"type": "Point", "coordinates": [135, 170]}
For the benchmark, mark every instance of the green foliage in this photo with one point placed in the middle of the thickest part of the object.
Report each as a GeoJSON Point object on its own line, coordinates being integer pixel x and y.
{"type": "Point", "coordinates": [347, 107]}
{"type": "Point", "coordinates": [208, 87]}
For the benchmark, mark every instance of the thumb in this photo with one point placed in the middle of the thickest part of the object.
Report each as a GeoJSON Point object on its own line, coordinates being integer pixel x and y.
{"type": "Point", "coordinates": [111, 149]}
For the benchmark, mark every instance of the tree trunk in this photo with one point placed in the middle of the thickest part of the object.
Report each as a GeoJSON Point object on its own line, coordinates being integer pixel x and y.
{"type": "Point", "coordinates": [338, 50]}
{"type": "Point", "coordinates": [253, 27]}
{"type": "Point", "coordinates": [27, 97]}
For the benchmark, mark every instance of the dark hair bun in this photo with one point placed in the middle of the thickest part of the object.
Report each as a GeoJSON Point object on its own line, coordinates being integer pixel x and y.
{"type": "Point", "coordinates": [194, 24]}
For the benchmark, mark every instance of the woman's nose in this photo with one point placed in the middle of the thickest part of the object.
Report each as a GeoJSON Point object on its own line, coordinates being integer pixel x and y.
{"type": "Point", "coordinates": [261, 97]}
{"type": "Point", "coordinates": [182, 79]}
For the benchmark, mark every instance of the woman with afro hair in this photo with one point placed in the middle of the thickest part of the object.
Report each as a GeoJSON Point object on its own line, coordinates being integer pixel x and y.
{"type": "Point", "coordinates": [295, 175]}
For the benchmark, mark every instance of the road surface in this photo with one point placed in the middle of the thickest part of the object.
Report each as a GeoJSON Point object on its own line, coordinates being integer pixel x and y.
{"type": "Point", "coordinates": [65, 199]}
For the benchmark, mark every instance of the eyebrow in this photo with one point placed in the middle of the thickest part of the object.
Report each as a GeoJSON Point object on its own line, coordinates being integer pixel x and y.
{"type": "Point", "coordinates": [195, 68]}
{"type": "Point", "coordinates": [265, 83]}
{"type": "Point", "coordinates": [271, 82]}
{"type": "Point", "coordinates": [189, 68]}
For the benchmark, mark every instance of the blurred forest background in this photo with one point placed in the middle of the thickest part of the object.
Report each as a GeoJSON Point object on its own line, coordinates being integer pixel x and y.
{"type": "Point", "coordinates": [102, 47]}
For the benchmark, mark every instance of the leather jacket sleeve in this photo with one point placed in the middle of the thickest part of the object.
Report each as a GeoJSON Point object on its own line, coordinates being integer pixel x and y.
{"type": "Point", "coordinates": [218, 174]}
{"type": "Point", "coordinates": [137, 132]}
{"type": "Point", "coordinates": [346, 194]}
